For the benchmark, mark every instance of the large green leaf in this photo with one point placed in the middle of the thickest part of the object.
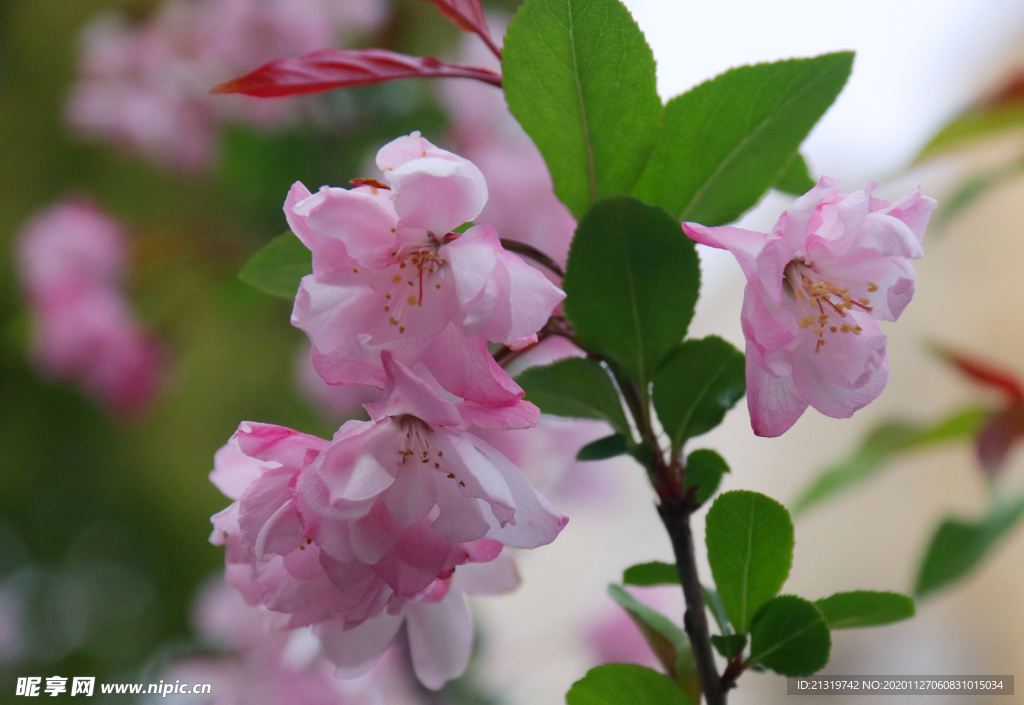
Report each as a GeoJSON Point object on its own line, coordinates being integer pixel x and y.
{"type": "Point", "coordinates": [625, 684]}
{"type": "Point", "coordinates": [577, 387]}
{"type": "Point", "coordinates": [795, 178]}
{"type": "Point", "coordinates": [727, 141]}
{"type": "Point", "coordinates": [865, 608]}
{"type": "Point", "coordinates": [698, 383]}
{"type": "Point", "coordinates": [580, 78]}
{"type": "Point", "coordinates": [750, 549]}
{"type": "Point", "coordinates": [668, 642]}
{"type": "Point", "coordinates": [279, 267]}
{"type": "Point", "coordinates": [790, 637]}
{"type": "Point", "coordinates": [704, 470]}
{"type": "Point", "coordinates": [881, 445]}
{"type": "Point", "coordinates": [960, 545]}
{"type": "Point", "coordinates": [632, 281]}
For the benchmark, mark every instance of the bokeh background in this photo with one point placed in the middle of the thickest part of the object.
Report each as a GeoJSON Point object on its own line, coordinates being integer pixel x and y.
{"type": "Point", "coordinates": [104, 519]}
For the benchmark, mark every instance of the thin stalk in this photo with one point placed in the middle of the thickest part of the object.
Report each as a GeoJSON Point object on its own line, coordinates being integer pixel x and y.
{"type": "Point", "coordinates": [675, 515]}
{"type": "Point", "coordinates": [521, 248]}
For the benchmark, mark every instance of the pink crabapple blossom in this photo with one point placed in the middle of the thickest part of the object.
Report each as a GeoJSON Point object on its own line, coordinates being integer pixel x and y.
{"type": "Point", "coordinates": [72, 260]}
{"type": "Point", "coordinates": [360, 532]}
{"type": "Point", "coordinates": [147, 87]}
{"type": "Point", "coordinates": [816, 285]}
{"type": "Point", "coordinates": [390, 275]}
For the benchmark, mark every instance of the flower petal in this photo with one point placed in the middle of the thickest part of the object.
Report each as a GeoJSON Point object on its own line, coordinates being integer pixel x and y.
{"type": "Point", "coordinates": [355, 650]}
{"type": "Point", "coordinates": [440, 639]}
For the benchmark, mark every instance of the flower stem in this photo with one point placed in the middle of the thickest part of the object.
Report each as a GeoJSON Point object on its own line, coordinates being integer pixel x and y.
{"type": "Point", "coordinates": [675, 515]}
{"type": "Point", "coordinates": [521, 248]}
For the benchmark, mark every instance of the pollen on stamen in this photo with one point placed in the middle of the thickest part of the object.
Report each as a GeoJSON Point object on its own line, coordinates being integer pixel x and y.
{"type": "Point", "coordinates": [451, 476]}
{"type": "Point", "coordinates": [845, 329]}
{"type": "Point", "coordinates": [806, 321]}
{"type": "Point", "coordinates": [833, 329]}
{"type": "Point", "coordinates": [395, 279]}
{"type": "Point", "coordinates": [411, 300]}
{"type": "Point", "coordinates": [387, 295]}
{"type": "Point", "coordinates": [402, 265]}
{"type": "Point", "coordinates": [355, 270]}
{"type": "Point", "coordinates": [461, 483]}
{"type": "Point", "coordinates": [437, 286]}
{"type": "Point", "coordinates": [393, 321]}
{"type": "Point", "coordinates": [864, 300]}
{"type": "Point", "coordinates": [394, 230]}
{"type": "Point", "coordinates": [401, 329]}
{"type": "Point", "coordinates": [387, 308]}
{"type": "Point", "coordinates": [437, 465]}
{"type": "Point", "coordinates": [872, 287]}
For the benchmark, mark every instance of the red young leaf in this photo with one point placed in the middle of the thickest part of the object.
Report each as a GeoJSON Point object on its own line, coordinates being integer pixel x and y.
{"type": "Point", "coordinates": [327, 69]}
{"type": "Point", "coordinates": [468, 15]}
{"type": "Point", "coordinates": [1002, 431]}
{"type": "Point", "coordinates": [984, 373]}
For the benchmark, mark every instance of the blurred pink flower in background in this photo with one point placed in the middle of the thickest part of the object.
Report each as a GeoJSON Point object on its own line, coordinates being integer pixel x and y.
{"type": "Point", "coordinates": [147, 87]}
{"type": "Point", "coordinates": [613, 637]}
{"type": "Point", "coordinates": [336, 402]}
{"type": "Point", "coordinates": [262, 665]}
{"type": "Point", "coordinates": [72, 261]}
{"type": "Point", "coordinates": [831, 267]}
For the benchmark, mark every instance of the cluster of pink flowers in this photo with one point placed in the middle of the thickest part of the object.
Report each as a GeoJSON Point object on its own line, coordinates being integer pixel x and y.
{"type": "Point", "coordinates": [394, 520]}
{"type": "Point", "coordinates": [816, 286]}
{"type": "Point", "coordinates": [72, 260]}
{"type": "Point", "coordinates": [147, 87]}
{"type": "Point", "coordinates": [256, 664]}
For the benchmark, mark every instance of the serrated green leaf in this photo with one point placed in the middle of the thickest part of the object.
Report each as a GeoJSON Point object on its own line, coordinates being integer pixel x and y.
{"type": "Point", "coordinates": [713, 601]}
{"type": "Point", "coordinates": [625, 684]}
{"type": "Point", "coordinates": [704, 470]}
{"type": "Point", "coordinates": [730, 645]}
{"type": "Point", "coordinates": [668, 642]}
{"type": "Point", "coordinates": [580, 78]}
{"type": "Point", "coordinates": [750, 549]}
{"type": "Point", "coordinates": [865, 608]}
{"type": "Point", "coordinates": [882, 444]}
{"type": "Point", "coordinates": [577, 387]}
{"type": "Point", "coordinates": [279, 267]}
{"type": "Point", "coordinates": [795, 178]}
{"type": "Point", "coordinates": [603, 448]}
{"type": "Point", "coordinates": [724, 143]}
{"type": "Point", "coordinates": [653, 573]}
{"type": "Point", "coordinates": [632, 281]}
{"type": "Point", "coordinates": [959, 546]}
{"type": "Point", "coordinates": [696, 385]}
{"type": "Point", "coordinates": [790, 637]}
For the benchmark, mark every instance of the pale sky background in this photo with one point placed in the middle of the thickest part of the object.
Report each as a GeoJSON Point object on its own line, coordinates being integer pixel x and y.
{"type": "Point", "coordinates": [918, 62]}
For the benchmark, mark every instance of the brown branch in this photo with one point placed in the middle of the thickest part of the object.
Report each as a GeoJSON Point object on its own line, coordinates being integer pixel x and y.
{"type": "Point", "coordinates": [521, 248]}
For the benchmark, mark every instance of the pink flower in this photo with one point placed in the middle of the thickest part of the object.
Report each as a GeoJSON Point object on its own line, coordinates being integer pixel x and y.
{"type": "Point", "coordinates": [377, 520]}
{"type": "Point", "coordinates": [438, 623]}
{"type": "Point", "coordinates": [390, 275]}
{"type": "Point", "coordinates": [147, 88]}
{"type": "Point", "coordinates": [72, 259]}
{"type": "Point", "coordinates": [816, 284]}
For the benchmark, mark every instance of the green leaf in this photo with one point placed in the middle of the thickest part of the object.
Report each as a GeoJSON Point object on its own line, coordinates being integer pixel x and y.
{"type": "Point", "coordinates": [632, 281]}
{"type": "Point", "coordinates": [653, 573]}
{"type": "Point", "coordinates": [704, 470]}
{"type": "Point", "coordinates": [696, 385]}
{"type": "Point", "coordinates": [713, 601]}
{"type": "Point", "coordinates": [750, 549]}
{"type": "Point", "coordinates": [795, 178]}
{"type": "Point", "coordinates": [968, 192]}
{"type": "Point", "coordinates": [790, 637]}
{"type": "Point", "coordinates": [670, 644]}
{"type": "Point", "coordinates": [578, 387]}
{"type": "Point", "coordinates": [279, 267]}
{"type": "Point", "coordinates": [724, 143]}
{"type": "Point", "coordinates": [729, 646]}
{"type": "Point", "coordinates": [960, 545]}
{"type": "Point", "coordinates": [970, 125]}
{"type": "Point", "coordinates": [881, 445]}
{"type": "Point", "coordinates": [625, 684]}
{"type": "Point", "coordinates": [580, 79]}
{"type": "Point", "coordinates": [865, 608]}
{"type": "Point", "coordinates": [603, 448]}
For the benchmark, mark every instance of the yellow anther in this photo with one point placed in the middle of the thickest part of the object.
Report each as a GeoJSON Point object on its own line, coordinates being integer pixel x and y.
{"type": "Point", "coordinates": [822, 318]}
{"type": "Point", "coordinates": [864, 300]}
{"type": "Point", "coordinates": [387, 308]}
{"type": "Point", "coordinates": [387, 295]}
{"type": "Point", "coordinates": [833, 329]}
{"type": "Point", "coordinates": [411, 300]}
{"type": "Point", "coordinates": [872, 287]}
{"type": "Point", "coordinates": [395, 279]}
{"type": "Point", "coordinates": [355, 271]}
{"type": "Point", "coordinates": [845, 329]}
{"type": "Point", "coordinates": [401, 329]}
{"type": "Point", "coordinates": [393, 321]}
